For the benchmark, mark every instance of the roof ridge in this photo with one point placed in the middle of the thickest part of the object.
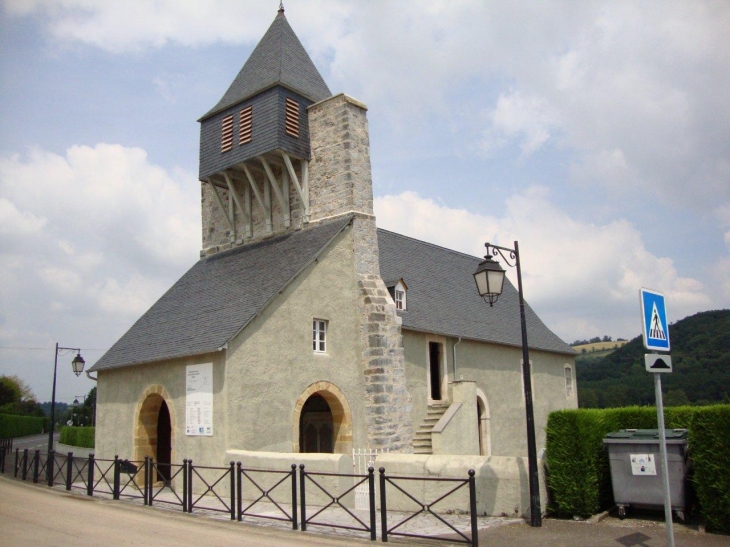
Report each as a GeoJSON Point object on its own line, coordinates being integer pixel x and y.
{"type": "Point", "coordinates": [452, 251]}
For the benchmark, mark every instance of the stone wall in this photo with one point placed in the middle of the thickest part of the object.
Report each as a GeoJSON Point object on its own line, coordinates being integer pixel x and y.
{"type": "Point", "coordinates": [341, 183]}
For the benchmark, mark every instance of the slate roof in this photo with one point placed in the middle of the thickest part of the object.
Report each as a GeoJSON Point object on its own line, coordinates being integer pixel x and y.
{"type": "Point", "coordinates": [218, 297]}
{"type": "Point", "coordinates": [442, 296]}
{"type": "Point", "coordinates": [278, 59]}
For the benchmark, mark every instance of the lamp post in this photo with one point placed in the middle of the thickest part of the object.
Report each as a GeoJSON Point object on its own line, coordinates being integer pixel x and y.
{"type": "Point", "coordinates": [78, 367]}
{"type": "Point", "coordinates": [489, 278]}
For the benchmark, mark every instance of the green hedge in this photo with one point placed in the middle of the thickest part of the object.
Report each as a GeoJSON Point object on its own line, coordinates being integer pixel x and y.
{"type": "Point", "coordinates": [579, 477]}
{"type": "Point", "coordinates": [83, 437]}
{"type": "Point", "coordinates": [20, 426]}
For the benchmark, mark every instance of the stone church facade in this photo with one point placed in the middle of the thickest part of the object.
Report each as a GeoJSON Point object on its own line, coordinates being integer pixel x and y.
{"type": "Point", "coordinates": [321, 333]}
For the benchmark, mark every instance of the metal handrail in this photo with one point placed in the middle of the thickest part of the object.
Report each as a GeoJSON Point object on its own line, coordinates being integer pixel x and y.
{"type": "Point", "coordinates": [265, 493]}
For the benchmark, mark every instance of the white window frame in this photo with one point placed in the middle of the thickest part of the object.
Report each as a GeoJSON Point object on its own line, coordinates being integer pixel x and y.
{"type": "Point", "coordinates": [319, 335]}
{"type": "Point", "coordinates": [569, 382]}
{"type": "Point", "coordinates": [399, 296]}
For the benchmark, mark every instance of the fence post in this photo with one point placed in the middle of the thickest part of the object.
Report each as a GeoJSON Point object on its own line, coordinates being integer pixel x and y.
{"type": "Point", "coordinates": [233, 491]}
{"type": "Point", "coordinates": [69, 470]}
{"type": "Point", "coordinates": [146, 480]}
{"type": "Point", "coordinates": [383, 509]}
{"type": "Point", "coordinates": [15, 467]}
{"type": "Point", "coordinates": [115, 493]}
{"type": "Point", "coordinates": [51, 466]}
{"type": "Point", "coordinates": [90, 476]}
{"type": "Point", "coordinates": [473, 509]}
{"type": "Point", "coordinates": [294, 496]}
{"type": "Point", "coordinates": [239, 489]}
{"type": "Point", "coordinates": [185, 485]}
{"type": "Point", "coordinates": [2, 458]}
{"type": "Point", "coordinates": [151, 480]}
{"type": "Point", "coordinates": [36, 465]}
{"type": "Point", "coordinates": [371, 497]}
{"type": "Point", "coordinates": [25, 464]}
{"type": "Point", "coordinates": [302, 498]}
{"type": "Point", "coordinates": [190, 486]}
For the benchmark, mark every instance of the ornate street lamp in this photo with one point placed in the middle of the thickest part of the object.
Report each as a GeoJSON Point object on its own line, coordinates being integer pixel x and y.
{"type": "Point", "coordinates": [489, 278]}
{"type": "Point", "coordinates": [78, 367]}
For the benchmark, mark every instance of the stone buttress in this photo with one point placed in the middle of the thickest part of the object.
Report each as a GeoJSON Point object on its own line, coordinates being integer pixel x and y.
{"type": "Point", "coordinates": [340, 183]}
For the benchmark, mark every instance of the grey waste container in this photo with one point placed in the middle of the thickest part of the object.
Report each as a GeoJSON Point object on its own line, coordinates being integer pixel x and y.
{"type": "Point", "coordinates": [636, 473]}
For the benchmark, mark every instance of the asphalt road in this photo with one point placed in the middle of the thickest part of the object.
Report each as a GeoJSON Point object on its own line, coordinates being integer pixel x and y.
{"type": "Point", "coordinates": [34, 515]}
{"type": "Point", "coordinates": [37, 516]}
{"type": "Point", "coordinates": [34, 442]}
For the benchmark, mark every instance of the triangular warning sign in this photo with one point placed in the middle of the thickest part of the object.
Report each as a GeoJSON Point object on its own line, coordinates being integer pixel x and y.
{"type": "Point", "coordinates": [656, 329]}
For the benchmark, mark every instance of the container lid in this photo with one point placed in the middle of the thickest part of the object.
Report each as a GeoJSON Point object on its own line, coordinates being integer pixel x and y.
{"type": "Point", "coordinates": [645, 435]}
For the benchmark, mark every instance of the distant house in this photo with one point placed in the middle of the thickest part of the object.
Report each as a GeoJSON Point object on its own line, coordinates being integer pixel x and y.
{"type": "Point", "coordinates": [304, 328]}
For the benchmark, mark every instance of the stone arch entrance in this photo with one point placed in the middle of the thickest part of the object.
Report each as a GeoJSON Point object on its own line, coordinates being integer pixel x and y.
{"type": "Point", "coordinates": [485, 442]}
{"type": "Point", "coordinates": [322, 420]}
{"type": "Point", "coordinates": [154, 431]}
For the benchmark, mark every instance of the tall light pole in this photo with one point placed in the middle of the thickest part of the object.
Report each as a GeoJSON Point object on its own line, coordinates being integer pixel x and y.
{"type": "Point", "coordinates": [78, 367]}
{"type": "Point", "coordinates": [489, 278]}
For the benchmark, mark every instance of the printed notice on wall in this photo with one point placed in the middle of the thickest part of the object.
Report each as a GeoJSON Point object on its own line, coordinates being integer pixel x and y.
{"type": "Point", "coordinates": [199, 399]}
{"type": "Point", "coordinates": [643, 464]}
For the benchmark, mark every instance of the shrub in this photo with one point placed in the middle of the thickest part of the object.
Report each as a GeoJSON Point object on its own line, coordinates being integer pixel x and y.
{"type": "Point", "coordinates": [20, 426]}
{"type": "Point", "coordinates": [709, 438]}
{"type": "Point", "coordinates": [83, 437]}
{"type": "Point", "coordinates": [579, 476]}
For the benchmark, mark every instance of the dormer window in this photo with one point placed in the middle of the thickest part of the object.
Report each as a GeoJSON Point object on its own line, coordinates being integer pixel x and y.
{"type": "Point", "coordinates": [227, 133]}
{"type": "Point", "coordinates": [397, 290]}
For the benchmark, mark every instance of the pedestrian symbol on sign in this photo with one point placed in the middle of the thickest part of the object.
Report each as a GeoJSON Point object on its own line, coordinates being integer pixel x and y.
{"type": "Point", "coordinates": [654, 320]}
{"type": "Point", "coordinates": [657, 329]}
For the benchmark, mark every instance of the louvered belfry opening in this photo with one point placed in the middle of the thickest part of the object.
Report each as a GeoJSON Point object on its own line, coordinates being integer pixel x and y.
{"type": "Point", "coordinates": [227, 134]}
{"type": "Point", "coordinates": [245, 126]}
{"type": "Point", "coordinates": [292, 117]}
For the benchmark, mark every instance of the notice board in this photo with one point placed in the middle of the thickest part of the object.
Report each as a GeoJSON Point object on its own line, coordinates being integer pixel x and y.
{"type": "Point", "coordinates": [199, 399]}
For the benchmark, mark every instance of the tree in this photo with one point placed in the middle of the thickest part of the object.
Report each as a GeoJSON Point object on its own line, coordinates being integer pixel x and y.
{"type": "Point", "coordinates": [14, 390]}
{"type": "Point", "coordinates": [675, 397]}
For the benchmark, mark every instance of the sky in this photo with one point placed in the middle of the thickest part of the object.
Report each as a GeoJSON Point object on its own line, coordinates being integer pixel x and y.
{"type": "Point", "coordinates": [594, 133]}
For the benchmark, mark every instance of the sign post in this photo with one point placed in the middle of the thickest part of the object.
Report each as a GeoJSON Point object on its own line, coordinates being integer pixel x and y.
{"type": "Point", "coordinates": [656, 337]}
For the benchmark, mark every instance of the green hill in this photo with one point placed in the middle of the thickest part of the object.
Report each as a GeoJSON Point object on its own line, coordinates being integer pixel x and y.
{"type": "Point", "coordinates": [700, 357]}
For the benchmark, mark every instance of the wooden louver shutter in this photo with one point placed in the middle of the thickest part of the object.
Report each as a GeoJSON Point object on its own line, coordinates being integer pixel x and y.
{"type": "Point", "coordinates": [227, 134]}
{"type": "Point", "coordinates": [292, 117]}
{"type": "Point", "coordinates": [245, 126]}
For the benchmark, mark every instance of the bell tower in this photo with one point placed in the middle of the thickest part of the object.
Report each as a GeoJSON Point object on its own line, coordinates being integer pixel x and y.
{"type": "Point", "coordinates": [255, 144]}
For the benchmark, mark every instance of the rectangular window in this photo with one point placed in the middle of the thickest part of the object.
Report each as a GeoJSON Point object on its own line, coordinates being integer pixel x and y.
{"type": "Point", "coordinates": [568, 382]}
{"type": "Point", "coordinates": [292, 117]}
{"type": "Point", "coordinates": [319, 336]}
{"type": "Point", "coordinates": [245, 125]}
{"type": "Point", "coordinates": [400, 297]}
{"type": "Point", "coordinates": [227, 133]}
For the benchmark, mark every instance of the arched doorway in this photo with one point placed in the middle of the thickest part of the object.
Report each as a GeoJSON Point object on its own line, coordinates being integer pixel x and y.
{"type": "Point", "coordinates": [485, 442]}
{"type": "Point", "coordinates": [322, 420]}
{"type": "Point", "coordinates": [315, 426]}
{"type": "Point", "coordinates": [164, 443]}
{"type": "Point", "coordinates": [154, 436]}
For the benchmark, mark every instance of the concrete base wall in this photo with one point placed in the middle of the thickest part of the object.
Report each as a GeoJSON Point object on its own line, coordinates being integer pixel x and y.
{"type": "Point", "coordinates": [502, 485]}
{"type": "Point", "coordinates": [313, 463]}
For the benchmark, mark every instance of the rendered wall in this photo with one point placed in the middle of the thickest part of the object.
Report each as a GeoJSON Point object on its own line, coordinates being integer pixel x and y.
{"type": "Point", "coordinates": [496, 370]}
{"type": "Point", "coordinates": [121, 393]}
{"type": "Point", "coordinates": [271, 363]}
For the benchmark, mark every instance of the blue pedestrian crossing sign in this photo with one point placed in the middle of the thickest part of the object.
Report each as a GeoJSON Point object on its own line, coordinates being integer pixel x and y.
{"type": "Point", "coordinates": [654, 319]}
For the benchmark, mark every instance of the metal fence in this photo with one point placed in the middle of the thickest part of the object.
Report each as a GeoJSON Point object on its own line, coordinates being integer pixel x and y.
{"type": "Point", "coordinates": [323, 499]}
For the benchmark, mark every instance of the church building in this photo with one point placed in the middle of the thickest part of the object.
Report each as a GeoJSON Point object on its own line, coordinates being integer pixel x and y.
{"type": "Point", "coordinates": [303, 327]}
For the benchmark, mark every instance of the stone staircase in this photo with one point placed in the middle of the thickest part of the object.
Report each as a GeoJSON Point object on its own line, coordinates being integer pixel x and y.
{"type": "Point", "coordinates": [422, 438]}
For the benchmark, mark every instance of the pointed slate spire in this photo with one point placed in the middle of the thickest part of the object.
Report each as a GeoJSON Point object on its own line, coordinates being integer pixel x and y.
{"type": "Point", "coordinates": [278, 59]}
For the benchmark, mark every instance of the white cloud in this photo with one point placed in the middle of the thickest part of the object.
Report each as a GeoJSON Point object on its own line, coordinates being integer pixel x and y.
{"type": "Point", "coordinates": [16, 223]}
{"type": "Point", "coordinates": [116, 231]}
{"type": "Point", "coordinates": [582, 278]}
